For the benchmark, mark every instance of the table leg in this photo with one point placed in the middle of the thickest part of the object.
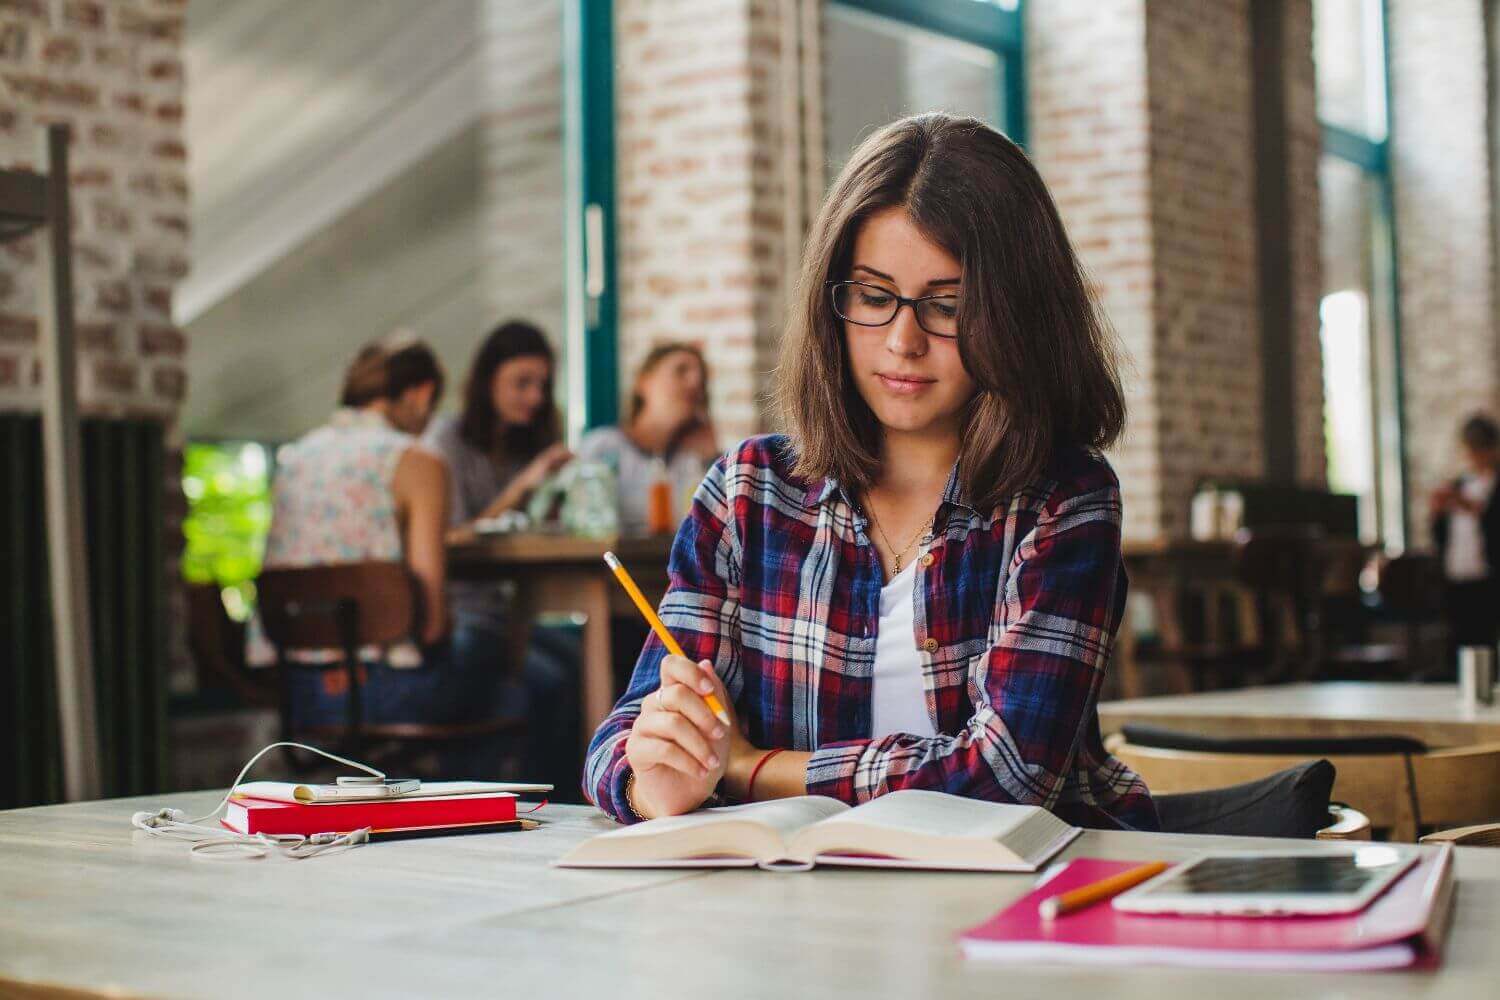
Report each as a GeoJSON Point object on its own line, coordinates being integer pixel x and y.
{"type": "Point", "coordinates": [598, 687]}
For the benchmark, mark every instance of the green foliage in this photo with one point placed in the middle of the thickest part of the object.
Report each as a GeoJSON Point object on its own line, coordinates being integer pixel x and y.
{"type": "Point", "coordinates": [229, 512]}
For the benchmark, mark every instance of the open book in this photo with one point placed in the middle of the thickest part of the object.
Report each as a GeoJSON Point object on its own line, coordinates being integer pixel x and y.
{"type": "Point", "coordinates": [905, 829]}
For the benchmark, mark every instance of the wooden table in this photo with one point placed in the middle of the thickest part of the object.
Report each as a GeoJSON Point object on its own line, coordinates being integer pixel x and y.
{"type": "Point", "coordinates": [1428, 712]}
{"type": "Point", "coordinates": [561, 574]}
{"type": "Point", "coordinates": [91, 905]}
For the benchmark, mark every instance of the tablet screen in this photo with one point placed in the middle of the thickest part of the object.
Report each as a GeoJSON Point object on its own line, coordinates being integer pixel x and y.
{"type": "Point", "coordinates": [1285, 874]}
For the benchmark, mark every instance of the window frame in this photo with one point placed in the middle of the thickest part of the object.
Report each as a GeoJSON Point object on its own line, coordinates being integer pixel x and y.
{"type": "Point", "coordinates": [1372, 157]}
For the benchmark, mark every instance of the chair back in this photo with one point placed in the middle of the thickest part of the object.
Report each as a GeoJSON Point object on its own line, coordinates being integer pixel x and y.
{"type": "Point", "coordinates": [1458, 785]}
{"type": "Point", "coordinates": [321, 607]}
{"type": "Point", "coordinates": [1378, 785]}
{"type": "Point", "coordinates": [1411, 587]}
{"type": "Point", "coordinates": [1399, 792]}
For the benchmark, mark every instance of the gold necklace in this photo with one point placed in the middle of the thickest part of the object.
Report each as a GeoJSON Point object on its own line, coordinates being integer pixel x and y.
{"type": "Point", "coordinates": [897, 556]}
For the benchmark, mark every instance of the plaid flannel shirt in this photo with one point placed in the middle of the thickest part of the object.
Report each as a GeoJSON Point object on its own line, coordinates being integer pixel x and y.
{"type": "Point", "coordinates": [775, 580]}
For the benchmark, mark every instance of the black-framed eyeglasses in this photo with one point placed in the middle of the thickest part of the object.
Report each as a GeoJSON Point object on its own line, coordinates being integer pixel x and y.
{"type": "Point", "coordinates": [864, 304]}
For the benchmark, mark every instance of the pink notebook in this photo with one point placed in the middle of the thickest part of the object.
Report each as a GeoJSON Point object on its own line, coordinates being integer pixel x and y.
{"type": "Point", "coordinates": [1402, 928]}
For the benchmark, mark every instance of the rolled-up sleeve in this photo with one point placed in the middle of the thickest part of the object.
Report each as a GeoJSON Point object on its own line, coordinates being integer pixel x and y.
{"type": "Point", "coordinates": [1033, 690]}
{"type": "Point", "coordinates": [701, 609]}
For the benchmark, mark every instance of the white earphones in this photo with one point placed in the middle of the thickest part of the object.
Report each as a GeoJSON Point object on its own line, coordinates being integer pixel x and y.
{"type": "Point", "coordinates": [213, 842]}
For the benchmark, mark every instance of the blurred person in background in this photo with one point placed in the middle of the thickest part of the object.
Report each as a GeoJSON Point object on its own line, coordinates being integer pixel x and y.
{"type": "Point", "coordinates": [503, 444]}
{"type": "Point", "coordinates": [667, 433]}
{"type": "Point", "coordinates": [1466, 530]}
{"type": "Point", "coordinates": [360, 488]}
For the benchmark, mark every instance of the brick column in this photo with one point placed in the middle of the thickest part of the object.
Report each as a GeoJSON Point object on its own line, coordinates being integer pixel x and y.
{"type": "Point", "coordinates": [1445, 237]}
{"type": "Point", "coordinates": [112, 73]}
{"type": "Point", "coordinates": [1142, 124]}
{"type": "Point", "coordinates": [1086, 90]}
{"type": "Point", "coordinates": [707, 205]}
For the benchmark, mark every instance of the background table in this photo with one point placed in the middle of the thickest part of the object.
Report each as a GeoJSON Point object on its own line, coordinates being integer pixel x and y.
{"type": "Point", "coordinates": [91, 905]}
{"type": "Point", "coordinates": [1428, 712]}
{"type": "Point", "coordinates": [561, 574]}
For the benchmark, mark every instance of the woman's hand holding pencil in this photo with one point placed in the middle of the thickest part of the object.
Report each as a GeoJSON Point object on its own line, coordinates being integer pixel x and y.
{"type": "Point", "coordinates": [680, 744]}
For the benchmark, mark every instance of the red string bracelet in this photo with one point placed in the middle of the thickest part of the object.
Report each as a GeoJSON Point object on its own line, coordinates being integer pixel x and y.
{"type": "Point", "coordinates": [750, 786]}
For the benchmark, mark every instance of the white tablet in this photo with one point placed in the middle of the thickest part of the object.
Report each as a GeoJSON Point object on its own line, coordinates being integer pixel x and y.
{"type": "Point", "coordinates": [1256, 884]}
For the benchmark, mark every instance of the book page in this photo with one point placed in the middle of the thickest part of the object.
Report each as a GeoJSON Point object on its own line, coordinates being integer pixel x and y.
{"type": "Point", "coordinates": [785, 816]}
{"type": "Point", "coordinates": [938, 814]}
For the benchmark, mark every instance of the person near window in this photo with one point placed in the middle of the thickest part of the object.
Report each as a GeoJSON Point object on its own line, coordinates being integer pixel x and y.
{"type": "Point", "coordinates": [666, 433]}
{"type": "Point", "coordinates": [919, 584]}
{"type": "Point", "coordinates": [1466, 530]}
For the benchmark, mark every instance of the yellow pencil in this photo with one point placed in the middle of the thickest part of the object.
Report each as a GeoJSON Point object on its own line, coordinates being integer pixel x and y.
{"type": "Point", "coordinates": [1095, 892]}
{"type": "Point", "coordinates": [656, 626]}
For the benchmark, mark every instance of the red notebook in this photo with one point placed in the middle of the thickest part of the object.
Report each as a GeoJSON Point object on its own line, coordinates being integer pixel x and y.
{"type": "Point", "coordinates": [1403, 927]}
{"type": "Point", "coordinates": [249, 815]}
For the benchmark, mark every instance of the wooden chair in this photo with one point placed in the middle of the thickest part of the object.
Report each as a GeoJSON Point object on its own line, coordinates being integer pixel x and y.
{"type": "Point", "coordinates": [348, 607]}
{"type": "Point", "coordinates": [1482, 835]}
{"type": "Point", "coordinates": [217, 645]}
{"type": "Point", "coordinates": [1399, 792]}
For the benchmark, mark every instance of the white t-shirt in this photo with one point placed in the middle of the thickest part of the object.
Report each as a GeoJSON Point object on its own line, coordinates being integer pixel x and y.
{"type": "Point", "coordinates": [1464, 558]}
{"type": "Point", "coordinates": [899, 695]}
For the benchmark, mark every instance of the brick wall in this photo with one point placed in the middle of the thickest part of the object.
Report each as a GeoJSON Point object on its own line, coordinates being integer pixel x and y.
{"type": "Point", "coordinates": [1304, 147]}
{"type": "Point", "coordinates": [112, 73]}
{"type": "Point", "coordinates": [703, 195]}
{"type": "Point", "coordinates": [1441, 170]}
{"type": "Point", "coordinates": [1086, 90]}
{"type": "Point", "coordinates": [1203, 235]}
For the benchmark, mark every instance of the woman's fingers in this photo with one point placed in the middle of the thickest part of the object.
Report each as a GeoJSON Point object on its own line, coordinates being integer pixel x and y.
{"type": "Point", "coordinates": [676, 728]}
{"type": "Point", "coordinates": [647, 752]}
{"type": "Point", "coordinates": [677, 698]}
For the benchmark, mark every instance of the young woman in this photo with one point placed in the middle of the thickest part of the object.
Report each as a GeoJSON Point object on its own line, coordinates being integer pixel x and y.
{"type": "Point", "coordinates": [1466, 528]}
{"type": "Point", "coordinates": [668, 420]}
{"type": "Point", "coordinates": [391, 504]}
{"type": "Point", "coordinates": [505, 443]}
{"type": "Point", "coordinates": [919, 585]}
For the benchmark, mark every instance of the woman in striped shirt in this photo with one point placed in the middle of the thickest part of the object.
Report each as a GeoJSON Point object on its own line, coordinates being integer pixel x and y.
{"type": "Point", "coordinates": [919, 585]}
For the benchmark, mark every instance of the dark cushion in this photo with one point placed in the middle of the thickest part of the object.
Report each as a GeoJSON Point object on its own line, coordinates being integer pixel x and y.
{"type": "Point", "coordinates": [1311, 746]}
{"type": "Point", "coordinates": [1290, 803]}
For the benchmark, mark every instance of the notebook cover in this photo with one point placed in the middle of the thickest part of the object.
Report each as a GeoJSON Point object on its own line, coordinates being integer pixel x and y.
{"type": "Point", "coordinates": [251, 815]}
{"type": "Point", "coordinates": [1413, 911]}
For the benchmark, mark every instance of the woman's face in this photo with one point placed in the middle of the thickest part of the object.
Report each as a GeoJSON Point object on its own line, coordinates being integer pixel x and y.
{"type": "Point", "coordinates": [518, 389]}
{"type": "Point", "coordinates": [673, 388]}
{"type": "Point", "coordinates": [912, 382]}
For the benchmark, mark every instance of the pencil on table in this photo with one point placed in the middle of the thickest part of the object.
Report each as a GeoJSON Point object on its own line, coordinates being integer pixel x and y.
{"type": "Point", "coordinates": [1096, 892]}
{"type": "Point", "coordinates": [649, 614]}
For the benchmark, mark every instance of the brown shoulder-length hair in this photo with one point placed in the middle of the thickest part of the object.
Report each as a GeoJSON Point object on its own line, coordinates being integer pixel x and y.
{"type": "Point", "coordinates": [479, 424]}
{"type": "Point", "coordinates": [654, 357]}
{"type": "Point", "coordinates": [385, 368]}
{"type": "Point", "coordinates": [1030, 335]}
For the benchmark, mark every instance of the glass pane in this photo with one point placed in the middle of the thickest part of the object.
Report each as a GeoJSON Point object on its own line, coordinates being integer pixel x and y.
{"type": "Point", "coordinates": [1358, 337]}
{"type": "Point", "coordinates": [1349, 49]}
{"type": "Point", "coordinates": [878, 69]}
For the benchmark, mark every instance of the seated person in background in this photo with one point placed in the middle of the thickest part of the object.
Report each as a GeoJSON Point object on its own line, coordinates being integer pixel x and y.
{"type": "Point", "coordinates": [667, 420]}
{"type": "Point", "coordinates": [360, 488]}
{"type": "Point", "coordinates": [1466, 530]}
{"type": "Point", "coordinates": [504, 444]}
{"type": "Point", "coordinates": [507, 440]}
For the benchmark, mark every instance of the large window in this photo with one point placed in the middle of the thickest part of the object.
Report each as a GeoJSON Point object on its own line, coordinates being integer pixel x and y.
{"type": "Point", "coordinates": [1361, 355]}
{"type": "Point", "coordinates": [889, 58]}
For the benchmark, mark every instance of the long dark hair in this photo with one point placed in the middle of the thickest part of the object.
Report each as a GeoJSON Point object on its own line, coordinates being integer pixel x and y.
{"type": "Point", "coordinates": [479, 425]}
{"type": "Point", "coordinates": [1029, 334]}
